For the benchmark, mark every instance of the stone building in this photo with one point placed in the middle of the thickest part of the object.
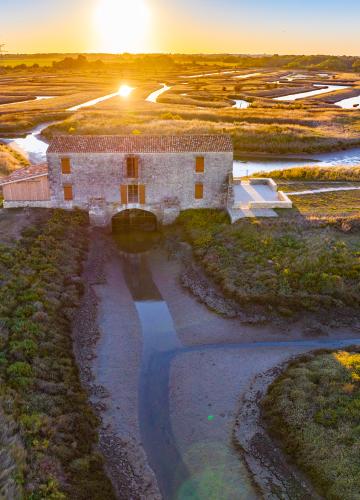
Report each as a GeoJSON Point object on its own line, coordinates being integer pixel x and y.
{"type": "Point", "coordinates": [140, 179]}
{"type": "Point", "coordinates": [161, 175]}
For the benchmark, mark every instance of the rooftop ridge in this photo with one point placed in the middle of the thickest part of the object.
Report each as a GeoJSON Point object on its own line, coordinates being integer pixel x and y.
{"type": "Point", "coordinates": [201, 143]}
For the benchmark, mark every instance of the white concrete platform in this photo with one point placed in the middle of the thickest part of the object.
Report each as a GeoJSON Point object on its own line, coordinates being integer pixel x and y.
{"type": "Point", "coordinates": [243, 213]}
{"type": "Point", "coordinates": [246, 193]}
{"type": "Point", "coordinates": [257, 197]}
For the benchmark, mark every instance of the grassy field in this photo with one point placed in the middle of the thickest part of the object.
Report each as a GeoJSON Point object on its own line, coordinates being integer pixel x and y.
{"type": "Point", "coordinates": [313, 409]}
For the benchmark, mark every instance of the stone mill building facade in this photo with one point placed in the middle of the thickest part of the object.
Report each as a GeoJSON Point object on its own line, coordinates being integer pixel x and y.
{"type": "Point", "coordinates": [107, 175]}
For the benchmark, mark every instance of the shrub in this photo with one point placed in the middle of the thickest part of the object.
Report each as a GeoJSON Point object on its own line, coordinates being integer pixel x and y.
{"type": "Point", "coordinates": [41, 386]}
{"type": "Point", "coordinates": [275, 264]}
{"type": "Point", "coordinates": [314, 409]}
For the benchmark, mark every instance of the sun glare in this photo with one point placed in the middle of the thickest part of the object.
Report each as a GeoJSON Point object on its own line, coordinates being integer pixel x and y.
{"type": "Point", "coordinates": [125, 90]}
{"type": "Point", "coordinates": [122, 25]}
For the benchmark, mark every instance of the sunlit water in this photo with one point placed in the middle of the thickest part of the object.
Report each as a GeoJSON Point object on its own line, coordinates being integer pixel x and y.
{"type": "Point", "coordinates": [37, 98]}
{"type": "Point", "coordinates": [153, 97]}
{"type": "Point", "coordinates": [93, 102]}
{"type": "Point", "coordinates": [350, 103]}
{"type": "Point", "coordinates": [311, 93]}
{"type": "Point", "coordinates": [241, 104]}
{"type": "Point", "coordinates": [248, 75]}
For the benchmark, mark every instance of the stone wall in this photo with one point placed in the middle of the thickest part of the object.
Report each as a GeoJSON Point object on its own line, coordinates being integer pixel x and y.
{"type": "Point", "coordinates": [30, 204]}
{"type": "Point", "coordinates": [169, 179]}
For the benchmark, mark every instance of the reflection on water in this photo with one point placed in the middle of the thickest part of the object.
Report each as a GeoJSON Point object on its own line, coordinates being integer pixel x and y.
{"type": "Point", "coordinates": [160, 341]}
{"type": "Point", "coordinates": [133, 242]}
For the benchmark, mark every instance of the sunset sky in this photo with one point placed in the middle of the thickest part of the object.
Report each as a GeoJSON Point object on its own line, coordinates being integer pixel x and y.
{"type": "Point", "coordinates": [237, 26]}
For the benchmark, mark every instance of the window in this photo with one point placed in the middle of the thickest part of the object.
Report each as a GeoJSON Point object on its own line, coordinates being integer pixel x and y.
{"type": "Point", "coordinates": [199, 191]}
{"type": "Point", "coordinates": [65, 166]}
{"type": "Point", "coordinates": [200, 164]}
{"type": "Point", "coordinates": [68, 192]}
{"type": "Point", "coordinates": [132, 167]}
{"type": "Point", "coordinates": [133, 193]}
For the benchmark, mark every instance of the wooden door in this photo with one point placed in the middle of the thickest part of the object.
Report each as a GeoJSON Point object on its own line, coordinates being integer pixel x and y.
{"type": "Point", "coordinates": [123, 194]}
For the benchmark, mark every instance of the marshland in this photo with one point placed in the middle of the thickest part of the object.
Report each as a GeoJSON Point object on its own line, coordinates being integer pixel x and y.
{"type": "Point", "coordinates": [115, 352]}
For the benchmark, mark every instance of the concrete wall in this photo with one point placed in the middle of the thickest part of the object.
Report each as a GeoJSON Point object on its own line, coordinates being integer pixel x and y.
{"type": "Point", "coordinates": [169, 179]}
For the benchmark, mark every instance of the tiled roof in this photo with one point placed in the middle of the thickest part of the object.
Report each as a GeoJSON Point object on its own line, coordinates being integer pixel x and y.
{"type": "Point", "coordinates": [26, 173]}
{"type": "Point", "coordinates": [141, 144]}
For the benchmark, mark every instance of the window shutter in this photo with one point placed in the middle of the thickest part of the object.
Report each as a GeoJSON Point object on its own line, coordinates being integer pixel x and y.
{"type": "Point", "coordinates": [123, 193]}
{"type": "Point", "coordinates": [68, 192]}
{"type": "Point", "coordinates": [200, 164]}
{"type": "Point", "coordinates": [136, 168]}
{"type": "Point", "coordinates": [65, 166]}
{"type": "Point", "coordinates": [142, 194]}
{"type": "Point", "coordinates": [199, 191]}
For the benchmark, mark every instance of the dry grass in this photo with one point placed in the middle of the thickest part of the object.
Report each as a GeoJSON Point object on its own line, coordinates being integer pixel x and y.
{"type": "Point", "coordinates": [325, 205]}
{"type": "Point", "coordinates": [316, 174]}
{"type": "Point", "coordinates": [10, 160]}
{"type": "Point", "coordinates": [267, 126]}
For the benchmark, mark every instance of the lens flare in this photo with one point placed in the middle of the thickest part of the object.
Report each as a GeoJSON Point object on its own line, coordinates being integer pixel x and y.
{"type": "Point", "coordinates": [125, 90]}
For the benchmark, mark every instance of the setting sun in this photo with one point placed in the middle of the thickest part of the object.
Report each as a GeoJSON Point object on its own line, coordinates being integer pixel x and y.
{"type": "Point", "coordinates": [122, 24]}
{"type": "Point", "coordinates": [125, 90]}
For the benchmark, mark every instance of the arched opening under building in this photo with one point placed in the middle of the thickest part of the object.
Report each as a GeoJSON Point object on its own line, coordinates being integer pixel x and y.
{"type": "Point", "coordinates": [134, 220]}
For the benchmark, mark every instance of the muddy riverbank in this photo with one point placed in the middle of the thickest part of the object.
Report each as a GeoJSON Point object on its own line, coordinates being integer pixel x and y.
{"type": "Point", "coordinates": [112, 381]}
{"type": "Point", "coordinates": [166, 374]}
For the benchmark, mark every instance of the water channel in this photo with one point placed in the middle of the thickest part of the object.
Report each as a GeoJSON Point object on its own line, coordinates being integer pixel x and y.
{"type": "Point", "coordinates": [169, 453]}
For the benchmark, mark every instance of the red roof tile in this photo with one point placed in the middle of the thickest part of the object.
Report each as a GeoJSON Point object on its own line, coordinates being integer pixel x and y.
{"type": "Point", "coordinates": [141, 144]}
{"type": "Point", "coordinates": [26, 173]}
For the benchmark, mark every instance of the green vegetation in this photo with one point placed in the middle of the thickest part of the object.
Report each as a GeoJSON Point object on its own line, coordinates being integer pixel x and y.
{"type": "Point", "coordinates": [281, 265]}
{"type": "Point", "coordinates": [40, 389]}
{"type": "Point", "coordinates": [316, 174]}
{"type": "Point", "coordinates": [313, 408]}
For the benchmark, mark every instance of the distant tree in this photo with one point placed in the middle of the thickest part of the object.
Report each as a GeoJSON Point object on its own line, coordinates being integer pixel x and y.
{"type": "Point", "coordinates": [356, 65]}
